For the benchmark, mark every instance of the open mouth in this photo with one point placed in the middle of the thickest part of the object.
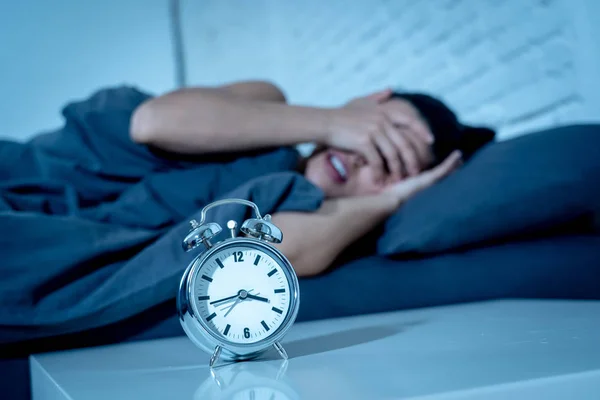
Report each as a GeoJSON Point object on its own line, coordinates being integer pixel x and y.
{"type": "Point", "coordinates": [338, 169]}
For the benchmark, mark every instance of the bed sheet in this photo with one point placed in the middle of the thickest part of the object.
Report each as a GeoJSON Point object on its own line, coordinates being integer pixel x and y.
{"type": "Point", "coordinates": [558, 267]}
{"type": "Point", "coordinates": [565, 267]}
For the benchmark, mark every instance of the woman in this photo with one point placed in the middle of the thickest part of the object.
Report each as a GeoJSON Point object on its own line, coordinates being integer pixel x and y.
{"type": "Point", "coordinates": [372, 154]}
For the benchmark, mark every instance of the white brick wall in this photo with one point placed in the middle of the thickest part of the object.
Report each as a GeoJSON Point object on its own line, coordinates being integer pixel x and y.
{"type": "Point", "coordinates": [516, 64]}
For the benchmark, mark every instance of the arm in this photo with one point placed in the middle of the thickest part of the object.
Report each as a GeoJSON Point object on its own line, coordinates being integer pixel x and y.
{"type": "Point", "coordinates": [255, 90]}
{"type": "Point", "coordinates": [312, 241]}
{"type": "Point", "coordinates": [246, 90]}
{"type": "Point", "coordinates": [235, 117]}
{"type": "Point", "coordinates": [254, 115]}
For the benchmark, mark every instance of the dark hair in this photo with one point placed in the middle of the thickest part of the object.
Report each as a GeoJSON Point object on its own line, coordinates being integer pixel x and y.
{"type": "Point", "coordinates": [449, 133]}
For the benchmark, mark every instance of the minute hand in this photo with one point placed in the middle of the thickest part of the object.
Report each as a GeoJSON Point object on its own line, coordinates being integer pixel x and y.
{"type": "Point", "coordinates": [253, 297]}
{"type": "Point", "coordinates": [225, 299]}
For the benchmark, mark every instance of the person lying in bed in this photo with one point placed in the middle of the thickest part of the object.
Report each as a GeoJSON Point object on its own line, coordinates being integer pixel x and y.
{"type": "Point", "coordinates": [371, 155]}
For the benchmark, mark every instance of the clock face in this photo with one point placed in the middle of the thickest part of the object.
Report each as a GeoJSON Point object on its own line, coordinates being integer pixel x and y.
{"type": "Point", "coordinates": [242, 293]}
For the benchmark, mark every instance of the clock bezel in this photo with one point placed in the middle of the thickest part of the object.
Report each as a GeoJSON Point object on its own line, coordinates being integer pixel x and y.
{"type": "Point", "coordinates": [197, 329]}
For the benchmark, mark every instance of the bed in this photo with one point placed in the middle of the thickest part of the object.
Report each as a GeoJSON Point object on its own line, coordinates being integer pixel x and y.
{"type": "Point", "coordinates": [558, 268]}
{"type": "Point", "coordinates": [520, 219]}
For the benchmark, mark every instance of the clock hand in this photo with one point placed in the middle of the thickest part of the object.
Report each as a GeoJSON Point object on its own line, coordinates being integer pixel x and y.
{"type": "Point", "coordinates": [226, 304]}
{"type": "Point", "coordinates": [239, 300]}
{"type": "Point", "coordinates": [225, 299]}
{"type": "Point", "coordinates": [231, 307]}
{"type": "Point", "coordinates": [250, 296]}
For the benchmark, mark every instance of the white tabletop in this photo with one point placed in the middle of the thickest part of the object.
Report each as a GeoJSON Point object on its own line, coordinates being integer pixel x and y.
{"type": "Point", "coordinates": [490, 350]}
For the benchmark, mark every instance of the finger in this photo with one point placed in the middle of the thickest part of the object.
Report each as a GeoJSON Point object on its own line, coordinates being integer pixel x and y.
{"type": "Point", "coordinates": [422, 129]}
{"type": "Point", "coordinates": [373, 98]}
{"type": "Point", "coordinates": [451, 162]}
{"type": "Point", "coordinates": [374, 159]}
{"type": "Point", "coordinates": [406, 152]}
{"type": "Point", "coordinates": [381, 96]}
{"type": "Point", "coordinates": [423, 181]}
{"type": "Point", "coordinates": [409, 119]}
{"type": "Point", "coordinates": [422, 149]}
{"type": "Point", "coordinates": [390, 152]}
{"type": "Point", "coordinates": [409, 187]}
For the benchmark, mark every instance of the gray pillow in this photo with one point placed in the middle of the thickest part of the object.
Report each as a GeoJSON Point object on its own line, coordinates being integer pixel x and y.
{"type": "Point", "coordinates": [522, 186]}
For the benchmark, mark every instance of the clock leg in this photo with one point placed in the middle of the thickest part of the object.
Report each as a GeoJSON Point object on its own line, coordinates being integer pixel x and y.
{"type": "Point", "coordinates": [216, 378]}
{"type": "Point", "coordinates": [280, 350]}
{"type": "Point", "coordinates": [215, 356]}
{"type": "Point", "coordinates": [282, 370]}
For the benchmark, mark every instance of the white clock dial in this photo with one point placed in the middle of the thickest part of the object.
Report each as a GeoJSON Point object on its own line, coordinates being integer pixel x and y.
{"type": "Point", "coordinates": [242, 293]}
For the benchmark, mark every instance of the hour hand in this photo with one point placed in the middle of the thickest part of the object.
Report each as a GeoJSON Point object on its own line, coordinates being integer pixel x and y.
{"type": "Point", "coordinates": [231, 298]}
{"type": "Point", "coordinates": [253, 297]}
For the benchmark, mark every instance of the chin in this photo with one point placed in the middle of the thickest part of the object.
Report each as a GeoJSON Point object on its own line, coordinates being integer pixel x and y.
{"type": "Point", "coordinates": [320, 181]}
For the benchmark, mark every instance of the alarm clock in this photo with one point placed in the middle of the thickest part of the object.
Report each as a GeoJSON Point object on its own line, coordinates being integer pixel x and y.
{"type": "Point", "coordinates": [239, 297]}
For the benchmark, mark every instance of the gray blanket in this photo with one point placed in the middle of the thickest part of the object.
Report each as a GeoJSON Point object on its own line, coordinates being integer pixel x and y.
{"type": "Point", "coordinates": [92, 223]}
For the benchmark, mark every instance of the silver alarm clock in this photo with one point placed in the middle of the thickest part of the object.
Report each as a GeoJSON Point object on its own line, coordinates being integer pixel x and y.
{"type": "Point", "coordinates": [238, 298]}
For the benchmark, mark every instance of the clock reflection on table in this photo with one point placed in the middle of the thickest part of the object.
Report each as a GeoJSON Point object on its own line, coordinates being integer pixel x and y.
{"type": "Point", "coordinates": [256, 380]}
